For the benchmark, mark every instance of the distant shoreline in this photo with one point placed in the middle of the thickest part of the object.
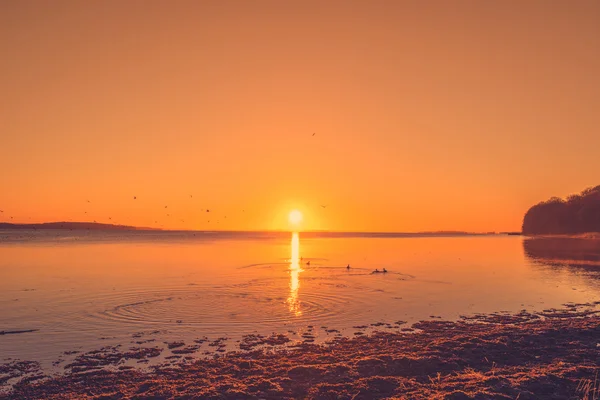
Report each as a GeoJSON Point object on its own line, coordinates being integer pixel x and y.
{"type": "Point", "coordinates": [94, 226]}
{"type": "Point", "coordinates": [74, 225]}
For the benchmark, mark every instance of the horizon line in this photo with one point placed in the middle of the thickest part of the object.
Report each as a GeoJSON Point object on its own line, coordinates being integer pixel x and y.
{"type": "Point", "coordinates": [122, 227]}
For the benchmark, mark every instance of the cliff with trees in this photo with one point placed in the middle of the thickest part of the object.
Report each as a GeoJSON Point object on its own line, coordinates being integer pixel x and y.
{"type": "Point", "coordinates": [578, 213]}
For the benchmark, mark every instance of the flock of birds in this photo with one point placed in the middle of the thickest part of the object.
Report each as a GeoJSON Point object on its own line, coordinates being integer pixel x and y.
{"type": "Point", "coordinates": [2, 211]}
{"type": "Point", "coordinates": [168, 215]}
{"type": "Point", "coordinates": [166, 207]}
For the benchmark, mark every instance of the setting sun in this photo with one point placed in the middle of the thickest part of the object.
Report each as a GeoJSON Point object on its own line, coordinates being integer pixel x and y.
{"type": "Point", "coordinates": [295, 217]}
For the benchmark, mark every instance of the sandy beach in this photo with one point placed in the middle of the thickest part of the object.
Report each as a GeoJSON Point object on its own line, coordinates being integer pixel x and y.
{"type": "Point", "coordinates": [552, 354]}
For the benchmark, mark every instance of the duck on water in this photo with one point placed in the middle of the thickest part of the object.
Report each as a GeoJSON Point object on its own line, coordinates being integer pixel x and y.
{"type": "Point", "coordinates": [377, 271]}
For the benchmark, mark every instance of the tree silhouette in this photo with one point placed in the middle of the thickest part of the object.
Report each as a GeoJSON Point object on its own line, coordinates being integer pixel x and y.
{"type": "Point", "coordinates": [579, 213]}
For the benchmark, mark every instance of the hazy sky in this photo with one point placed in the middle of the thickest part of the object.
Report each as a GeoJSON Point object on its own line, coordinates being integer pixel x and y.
{"type": "Point", "coordinates": [428, 114]}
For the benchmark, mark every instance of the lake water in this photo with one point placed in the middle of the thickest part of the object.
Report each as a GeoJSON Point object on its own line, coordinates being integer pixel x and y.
{"type": "Point", "coordinates": [84, 290]}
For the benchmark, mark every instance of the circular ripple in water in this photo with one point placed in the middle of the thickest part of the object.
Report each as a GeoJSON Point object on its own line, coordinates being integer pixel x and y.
{"type": "Point", "coordinates": [237, 308]}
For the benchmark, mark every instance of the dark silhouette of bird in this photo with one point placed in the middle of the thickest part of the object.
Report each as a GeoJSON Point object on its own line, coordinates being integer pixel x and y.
{"type": "Point", "coordinates": [165, 206]}
{"type": "Point", "coordinates": [11, 217]}
{"type": "Point", "coordinates": [1, 211]}
{"type": "Point", "coordinates": [308, 263]}
{"type": "Point", "coordinates": [384, 270]}
{"type": "Point", "coordinates": [314, 133]}
{"type": "Point", "coordinates": [134, 197]}
{"type": "Point", "coordinates": [324, 206]}
{"type": "Point", "coordinates": [207, 210]}
{"type": "Point", "coordinates": [109, 218]}
{"type": "Point", "coordinates": [348, 266]}
{"type": "Point", "coordinates": [88, 201]}
{"type": "Point", "coordinates": [190, 196]}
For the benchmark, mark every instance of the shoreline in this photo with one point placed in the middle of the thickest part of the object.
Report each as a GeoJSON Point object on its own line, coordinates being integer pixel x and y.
{"type": "Point", "coordinates": [108, 227]}
{"type": "Point", "coordinates": [553, 354]}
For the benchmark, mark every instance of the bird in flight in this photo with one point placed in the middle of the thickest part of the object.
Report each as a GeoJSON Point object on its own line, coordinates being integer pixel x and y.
{"type": "Point", "coordinates": [1, 211]}
{"type": "Point", "coordinates": [324, 206]}
{"type": "Point", "coordinates": [207, 210]}
{"type": "Point", "coordinates": [165, 206]}
{"type": "Point", "coordinates": [134, 197]}
{"type": "Point", "coordinates": [314, 133]}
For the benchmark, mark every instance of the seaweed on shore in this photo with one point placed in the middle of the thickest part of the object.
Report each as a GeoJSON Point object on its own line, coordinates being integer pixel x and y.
{"type": "Point", "coordinates": [498, 356]}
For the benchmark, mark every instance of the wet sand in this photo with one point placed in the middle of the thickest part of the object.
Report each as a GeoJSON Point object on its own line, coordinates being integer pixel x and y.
{"type": "Point", "coordinates": [554, 354]}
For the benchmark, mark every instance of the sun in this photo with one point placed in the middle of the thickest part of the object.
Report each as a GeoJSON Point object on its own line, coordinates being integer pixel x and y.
{"type": "Point", "coordinates": [295, 217]}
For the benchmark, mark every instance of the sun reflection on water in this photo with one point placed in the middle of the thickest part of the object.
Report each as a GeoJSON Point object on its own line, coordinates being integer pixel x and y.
{"type": "Point", "coordinates": [292, 300]}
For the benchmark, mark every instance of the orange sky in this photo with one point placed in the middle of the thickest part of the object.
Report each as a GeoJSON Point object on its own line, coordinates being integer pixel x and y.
{"type": "Point", "coordinates": [428, 115]}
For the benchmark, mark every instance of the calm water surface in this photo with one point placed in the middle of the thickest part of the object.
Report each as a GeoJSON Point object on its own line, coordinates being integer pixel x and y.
{"type": "Point", "coordinates": [84, 290]}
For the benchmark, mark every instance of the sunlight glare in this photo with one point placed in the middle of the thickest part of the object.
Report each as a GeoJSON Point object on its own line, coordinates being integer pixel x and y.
{"type": "Point", "coordinates": [295, 217]}
{"type": "Point", "coordinates": [294, 304]}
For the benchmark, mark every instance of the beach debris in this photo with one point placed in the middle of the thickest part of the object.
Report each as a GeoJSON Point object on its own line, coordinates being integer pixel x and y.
{"type": "Point", "coordinates": [175, 344]}
{"type": "Point", "coordinates": [18, 331]}
{"type": "Point", "coordinates": [201, 340]}
{"type": "Point", "coordinates": [110, 355]}
{"type": "Point", "coordinates": [444, 359]}
{"type": "Point", "coordinates": [187, 349]}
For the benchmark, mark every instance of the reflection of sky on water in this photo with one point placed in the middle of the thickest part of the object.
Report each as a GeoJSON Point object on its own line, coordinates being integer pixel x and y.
{"type": "Point", "coordinates": [575, 256]}
{"type": "Point", "coordinates": [77, 292]}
